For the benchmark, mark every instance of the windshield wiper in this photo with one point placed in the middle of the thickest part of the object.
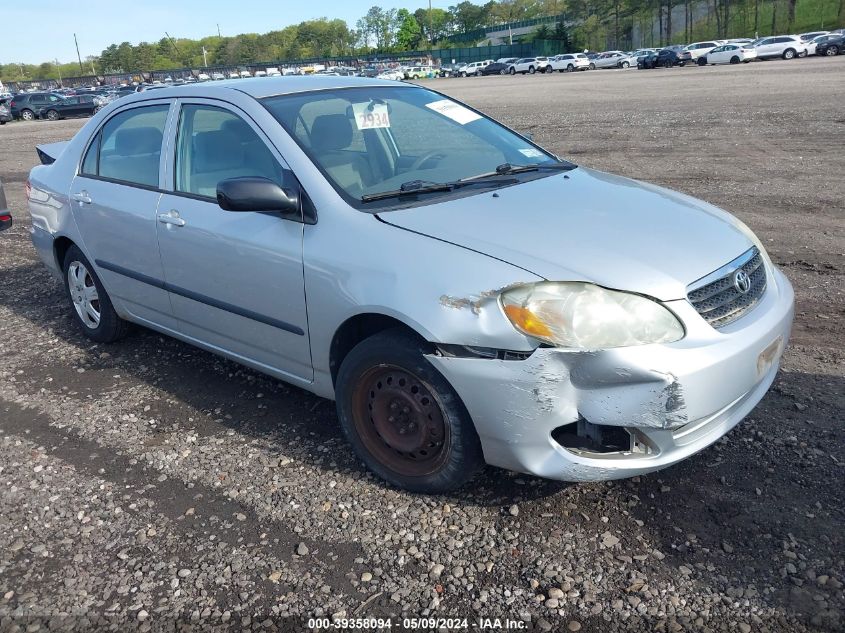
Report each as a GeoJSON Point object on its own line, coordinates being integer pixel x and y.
{"type": "Point", "coordinates": [413, 187]}
{"type": "Point", "coordinates": [506, 169]}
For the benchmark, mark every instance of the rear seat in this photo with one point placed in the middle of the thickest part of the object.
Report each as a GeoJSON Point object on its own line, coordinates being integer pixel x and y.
{"type": "Point", "coordinates": [135, 157]}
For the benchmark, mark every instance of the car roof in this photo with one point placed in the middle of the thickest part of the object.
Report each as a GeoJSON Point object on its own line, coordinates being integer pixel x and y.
{"type": "Point", "coordinates": [260, 87]}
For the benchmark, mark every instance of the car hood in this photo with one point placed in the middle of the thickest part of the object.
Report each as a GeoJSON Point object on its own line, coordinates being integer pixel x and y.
{"type": "Point", "coordinates": [591, 226]}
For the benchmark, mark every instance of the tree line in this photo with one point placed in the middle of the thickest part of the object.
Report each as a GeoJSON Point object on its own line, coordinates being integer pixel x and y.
{"type": "Point", "coordinates": [590, 24]}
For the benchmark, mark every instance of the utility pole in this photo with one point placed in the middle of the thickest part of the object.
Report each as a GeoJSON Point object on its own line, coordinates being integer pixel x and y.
{"type": "Point", "coordinates": [218, 30]}
{"type": "Point", "coordinates": [59, 70]}
{"type": "Point", "coordinates": [430, 24]}
{"type": "Point", "coordinates": [204, 58]}
{"type": "Point", "coordinates": [78, 56]}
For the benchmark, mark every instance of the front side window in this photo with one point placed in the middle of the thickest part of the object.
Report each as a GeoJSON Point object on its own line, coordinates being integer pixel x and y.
{"type": "Point", "coordinates": [130, 147]}
{"type": "Point", "coordinates": [376, 139]}
{"type": "Point", "coordinates": [215, 144]}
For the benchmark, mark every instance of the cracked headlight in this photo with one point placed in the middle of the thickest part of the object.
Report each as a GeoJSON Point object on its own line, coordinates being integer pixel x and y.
{"type": "Point", "coordinates": [579, 315]}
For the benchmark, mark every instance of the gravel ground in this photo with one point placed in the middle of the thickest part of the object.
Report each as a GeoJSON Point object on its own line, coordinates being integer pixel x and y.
{"type": "Point", "coordinates": [149, 485]}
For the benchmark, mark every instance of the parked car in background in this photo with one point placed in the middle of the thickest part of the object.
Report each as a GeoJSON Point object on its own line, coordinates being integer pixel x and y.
{"type": "Point", "coordinates": [783, 46]}
{"type": "Point", "coordinates": [544, 64]}
{"type": "Point", "coordinates": [5, 112]}
{"type": "Point", "coordinates": [813, 43]}
{"type": "Point", "coordinates": [27, 105]}
{"type": "Point", "coordinates": [664, 58]}
{"type": "Point", "coordinates": [728, 54]}
{"type": "Point", "coordinates": [449, 328]}
{"type": "Point", "coordinates": [473, 68]}
{"type": "Point", "coordinates": [524, 65]}
{"type": "Point", "coordinates": [570, 62]}
{"type": "Point", "coordinates": [391, 73]}
{"type": "Point", "coordinates": [697, 49]}
{"type": "Point", "coordinates": [419, 72]}
{"type": "Point", "coordinates": [506, 60]}
{"type": "Point", "coordinates": [681, 51]}
{"type": "Point", "coordinates": [809, 37]}
{"type": "Point", "coordinates": [69, 107]}
{"type": "Point", "coordinates": [612, 59]}
{"type": "Point", "coordinates": [496, 68]}
{"type": "Point", "coordinates": [832, 45]}
{"type": "Point", "coordinates": [445, 70]}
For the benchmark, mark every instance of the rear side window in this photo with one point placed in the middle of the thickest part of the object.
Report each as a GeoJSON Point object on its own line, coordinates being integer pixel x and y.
{"type": "Point", "coordinates": [128, 147]}
{"type": "Point", "coordinates": [215, 144]}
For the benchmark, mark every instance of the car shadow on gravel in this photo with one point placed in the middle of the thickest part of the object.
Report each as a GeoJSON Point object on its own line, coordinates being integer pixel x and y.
{"type": "Point", "coordinates": [197, 391]}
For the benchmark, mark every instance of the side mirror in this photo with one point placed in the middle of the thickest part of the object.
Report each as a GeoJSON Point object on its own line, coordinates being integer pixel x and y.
{"type": "Point", "coordinates": [258, 194]}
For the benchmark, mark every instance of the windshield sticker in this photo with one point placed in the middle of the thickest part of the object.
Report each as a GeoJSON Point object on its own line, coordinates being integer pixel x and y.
{"type": "Point", "coordinates": [371, 116]}
{"type": "Point", "coordinates": [530, 152]}
{"type": "Point", "coordinates": [454, 111]}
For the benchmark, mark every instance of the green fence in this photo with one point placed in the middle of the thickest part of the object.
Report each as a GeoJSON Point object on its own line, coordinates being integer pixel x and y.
{"type": "Point", "coordinates": [479, 53]}
{"type": "Point", "coordinates": [480, 34]}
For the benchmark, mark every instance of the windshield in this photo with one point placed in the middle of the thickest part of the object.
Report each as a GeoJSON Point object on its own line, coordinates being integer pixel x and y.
{"type": "Point", "coordinates": [375, 139]}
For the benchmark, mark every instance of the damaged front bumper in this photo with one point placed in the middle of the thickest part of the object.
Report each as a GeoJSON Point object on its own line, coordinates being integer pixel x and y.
{"type": "Point", "coordinates": [609, 414]}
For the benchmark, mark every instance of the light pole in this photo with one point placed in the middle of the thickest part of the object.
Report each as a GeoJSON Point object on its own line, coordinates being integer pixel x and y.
{"type": "Point", "coordinates": [59, 70]}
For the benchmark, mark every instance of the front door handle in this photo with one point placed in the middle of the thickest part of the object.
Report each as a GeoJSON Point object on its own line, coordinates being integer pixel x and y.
{"type": "Point", "coordinates": [82, 197]}
{"type": "Point", "coordinates": [171, 218]}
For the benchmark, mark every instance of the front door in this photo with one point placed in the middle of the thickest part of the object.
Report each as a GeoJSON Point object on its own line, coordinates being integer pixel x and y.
{"type": "Point", "coordinates": [114, 199]}
{"type": "Point", "coordinates": [235, 278]}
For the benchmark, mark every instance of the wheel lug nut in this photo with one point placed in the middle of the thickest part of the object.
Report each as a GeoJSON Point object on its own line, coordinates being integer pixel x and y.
{"type": "Point", "coordinates": [406, 410]}
{"type": "Point", "coordinates": [391, 419]}
{"type": "Point", "coordinates": [394, 406]}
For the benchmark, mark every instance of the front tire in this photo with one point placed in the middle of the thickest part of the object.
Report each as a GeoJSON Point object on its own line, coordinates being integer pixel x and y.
{"type": "Point", "coordinates": [624, 65]}
{"type": "Point", "coordinates": [832, 51]}
{"type": "Point", "coordinates": [403, 418]}
{"type": "Point", "coordinates": [592, 66]}
{"type": "Point", "coordinates": [702, 61]}
{"type": "Point", "coordinates": [513, 70]}
{"type": "Point", "coordinates": [92, 307]}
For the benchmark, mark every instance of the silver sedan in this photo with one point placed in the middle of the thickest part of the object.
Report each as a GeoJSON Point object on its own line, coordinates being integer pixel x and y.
{"type": "Point", "coordinates": [462, 293]}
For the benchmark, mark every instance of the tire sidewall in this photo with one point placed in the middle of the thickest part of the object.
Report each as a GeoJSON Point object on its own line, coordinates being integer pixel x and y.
{"type": "Point", "coordinates": [395, 347]}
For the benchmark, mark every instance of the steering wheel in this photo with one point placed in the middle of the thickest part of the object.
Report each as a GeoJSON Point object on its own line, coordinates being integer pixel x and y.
{"type": "Point", "coordinates": [435, 153]}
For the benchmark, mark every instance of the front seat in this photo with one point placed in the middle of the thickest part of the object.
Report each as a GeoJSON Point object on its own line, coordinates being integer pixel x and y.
{"type": "Point", "coordinates": [331, 136]}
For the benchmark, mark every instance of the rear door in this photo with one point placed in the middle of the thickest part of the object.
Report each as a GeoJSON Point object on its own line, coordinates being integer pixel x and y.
{"type": "Point", "coordinates": [115, 196]}
{"type": "Point", "coordinates": [235, 279]}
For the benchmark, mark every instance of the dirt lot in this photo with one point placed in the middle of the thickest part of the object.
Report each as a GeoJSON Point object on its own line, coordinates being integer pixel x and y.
{"type": "Point", "coordinates": [148, 484]}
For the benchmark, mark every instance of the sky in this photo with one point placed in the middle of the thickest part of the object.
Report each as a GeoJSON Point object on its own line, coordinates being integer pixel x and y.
{"type": "Point", "coordinates": [42, 31]}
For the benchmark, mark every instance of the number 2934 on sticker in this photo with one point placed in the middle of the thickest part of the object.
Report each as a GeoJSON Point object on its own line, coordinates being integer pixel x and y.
{"type": "Point", "coordinates": [371, 116]}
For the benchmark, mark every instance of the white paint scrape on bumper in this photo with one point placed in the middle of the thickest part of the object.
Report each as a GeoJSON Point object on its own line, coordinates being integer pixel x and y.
{"type": "Point", "coordinates": [673, 400]}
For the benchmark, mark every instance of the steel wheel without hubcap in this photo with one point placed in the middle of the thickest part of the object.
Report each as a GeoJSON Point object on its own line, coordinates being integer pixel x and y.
{"type": "Point", "coordinates": [400, 421]}
{"type": "Point", "coordinates": [83, 293]}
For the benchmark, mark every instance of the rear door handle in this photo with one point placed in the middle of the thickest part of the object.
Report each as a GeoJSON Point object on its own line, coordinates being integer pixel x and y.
{"type": "Point", "coordinates": [82, 197]}
{"type": "Point", "coordinates": [171, 218]}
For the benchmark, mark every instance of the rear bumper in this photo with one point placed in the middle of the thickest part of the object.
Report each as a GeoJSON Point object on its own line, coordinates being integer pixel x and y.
{"type": "Point", "coordinates": [672, 400]}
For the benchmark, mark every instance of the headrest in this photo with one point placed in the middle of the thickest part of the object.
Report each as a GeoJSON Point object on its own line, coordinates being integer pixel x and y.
{"type": "Point", "coordinates": [217, 150]}
{"type": "Point", "coordinates": [137, 140]}
{"type": "Point", "coordinates": [331, 132]}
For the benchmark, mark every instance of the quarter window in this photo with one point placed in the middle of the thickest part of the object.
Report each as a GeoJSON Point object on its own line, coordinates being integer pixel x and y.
{"type": "Point", "coordinates": [215, 144]}
{"type": "Point", "coordinates": [130, 146]}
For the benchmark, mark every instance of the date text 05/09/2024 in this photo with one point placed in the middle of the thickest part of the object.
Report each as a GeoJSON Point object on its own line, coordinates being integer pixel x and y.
{"type": "Point", "coordinates": [409, 624]}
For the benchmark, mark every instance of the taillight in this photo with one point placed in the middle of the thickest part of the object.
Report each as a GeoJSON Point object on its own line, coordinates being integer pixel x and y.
{"type": "Point", "coordinates": [11, 104]}
{"type": "Point", "coordinates": [28, 189]}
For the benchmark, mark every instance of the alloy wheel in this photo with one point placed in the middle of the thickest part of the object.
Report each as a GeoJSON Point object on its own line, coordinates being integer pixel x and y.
{"type": "Point", "coordinates": [83, 293]}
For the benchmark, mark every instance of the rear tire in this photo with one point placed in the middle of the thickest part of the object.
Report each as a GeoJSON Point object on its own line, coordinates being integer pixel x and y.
{"type": "Point", "coordinates": [52, 115]}
{"type": "Point", "coordinates": [570, 68]}
{"type": "Point", "coordinates": [531, 70]}
{"type": "Point", "coordinates": [789, 53]}
{"type": "Point", "coordinates": [734, 59]}
{"type": "Point", "coordinates": [27, 115]}
{"type": "Point", "coordinates": [81, 283]}
{"type": "Point", "coordinates": [403, 418]}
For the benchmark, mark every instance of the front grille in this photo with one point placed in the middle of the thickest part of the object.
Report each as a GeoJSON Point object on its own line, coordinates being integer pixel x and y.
{"type": "Point", "coordinates": [719, 301]}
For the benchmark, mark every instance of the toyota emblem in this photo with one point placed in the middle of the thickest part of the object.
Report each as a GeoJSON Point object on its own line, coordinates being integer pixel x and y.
{"type": "Point", "coordinates": [742, 282]}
